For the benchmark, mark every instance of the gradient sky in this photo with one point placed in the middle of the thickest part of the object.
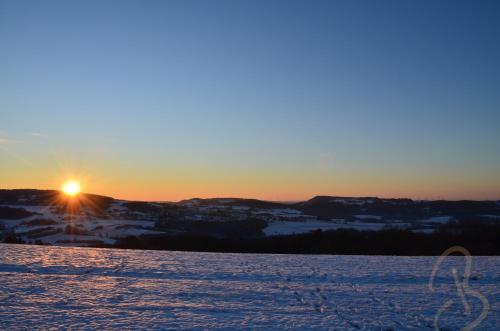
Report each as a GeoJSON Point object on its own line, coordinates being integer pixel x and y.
{"type": "Point", "coordinates": [280, 100]}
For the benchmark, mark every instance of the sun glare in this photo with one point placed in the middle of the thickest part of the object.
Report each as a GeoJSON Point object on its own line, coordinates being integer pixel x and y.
{"type": "Point", "coordinates": [71, 188]}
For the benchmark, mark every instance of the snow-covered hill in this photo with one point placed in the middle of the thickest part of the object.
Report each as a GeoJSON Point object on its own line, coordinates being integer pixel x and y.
{"type": "Point", "coordinates": [87, 288]}
{"type": "Point", "coordinates": [35, 216]}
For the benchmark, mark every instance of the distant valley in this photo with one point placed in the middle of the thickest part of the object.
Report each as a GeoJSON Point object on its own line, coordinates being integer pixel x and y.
{"type": "Point", "coordinates": [48, 217]}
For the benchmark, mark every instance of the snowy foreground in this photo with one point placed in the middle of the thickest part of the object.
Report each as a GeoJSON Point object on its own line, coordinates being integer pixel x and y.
{"type": "Point", "coordinates": [83, 288]}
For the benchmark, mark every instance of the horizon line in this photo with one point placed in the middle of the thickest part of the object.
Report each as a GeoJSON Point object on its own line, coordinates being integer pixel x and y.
{"type": "Point", "coordinates": [260, 199]}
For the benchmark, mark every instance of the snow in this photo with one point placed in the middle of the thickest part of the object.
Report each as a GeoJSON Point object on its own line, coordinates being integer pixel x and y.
{"type": "Point", "coordinates": [81, 288]}
{"type": "Point", "coordinates": [117, 222]}
{"type": "Point", "coordinates": [282, 212]}
{"type": "Point", "coordinates": [425, 231]}
{"type": "Point", "coordinates": [362, 217]}
{"type": "Point", "coordinates": [118, 205]}
{"type": "Point", "coordinates": [491, 216]}
{"type": "Point", "coordinates": [352, 201]}
{"type": "Point", "coordinates": [98, 229]}
{"type": "Point", "coordinates": [437, 219]}
{"type": "Point", "coordinates": [9, 224]}
{"type": "Point", "coordinates": [289, 227]}
{"type": "Point", "coordinates": [74, 240]}
{"type": "Point", "coordinates": [240, 208]}
{"type": "Point", "coordinates": [41, 211]}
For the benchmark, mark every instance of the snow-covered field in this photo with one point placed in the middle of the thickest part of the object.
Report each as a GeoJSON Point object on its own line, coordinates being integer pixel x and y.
{"type": "Point", "coordinates": [86, 288]}
{"type": "Point", "coordinates": [289, 227]}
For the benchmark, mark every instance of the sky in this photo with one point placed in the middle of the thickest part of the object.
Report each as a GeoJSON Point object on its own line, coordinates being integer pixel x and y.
{"type": "Point", "coordinates": [277, 100]}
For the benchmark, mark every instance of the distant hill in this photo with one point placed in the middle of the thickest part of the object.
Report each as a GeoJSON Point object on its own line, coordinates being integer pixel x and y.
{"type": "Point", "coordinates": [253, 203]}
{"type": "Point", "coordinates": [323, 224]}
{"type": "Point", "coordinates": [32, 197]}
{"type": "Point", "coordinates": [339, 207]}
{"type": "Point", "coordinates": [319, 206]}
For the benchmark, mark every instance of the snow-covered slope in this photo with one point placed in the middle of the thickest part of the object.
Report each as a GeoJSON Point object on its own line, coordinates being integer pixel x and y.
{"type": "Point", "coordinates": [83, 288]}
{"type": "Point", "coordinates": [49, 226]}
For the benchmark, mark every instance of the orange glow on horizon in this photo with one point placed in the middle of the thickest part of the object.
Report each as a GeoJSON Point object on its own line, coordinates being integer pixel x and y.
{"type": "Point", "coordinates": [175, 182]}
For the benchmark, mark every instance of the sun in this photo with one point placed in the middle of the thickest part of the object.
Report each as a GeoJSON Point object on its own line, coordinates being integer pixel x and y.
{"type": "Point", "coordinates": [71, 188]}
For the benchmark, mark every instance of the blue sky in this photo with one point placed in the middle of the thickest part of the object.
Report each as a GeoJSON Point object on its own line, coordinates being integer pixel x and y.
{"type": "Point", "coordinates": [270, 99]}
